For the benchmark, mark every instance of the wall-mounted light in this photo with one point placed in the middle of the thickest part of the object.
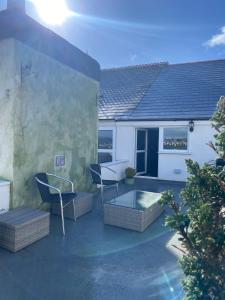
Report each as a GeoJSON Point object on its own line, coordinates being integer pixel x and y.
{"type": "Point", "coordinates": [191, 126]}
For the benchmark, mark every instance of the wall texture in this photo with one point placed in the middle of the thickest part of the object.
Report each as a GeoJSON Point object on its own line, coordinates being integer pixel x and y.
{"type": "Point", "coordinates": [7, 96]}
{"type": "Point", "coordinates": [51, 111]}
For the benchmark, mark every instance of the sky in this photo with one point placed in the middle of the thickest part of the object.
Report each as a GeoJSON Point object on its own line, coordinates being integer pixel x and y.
{"type": "Point", "coordinates": [129, 32]}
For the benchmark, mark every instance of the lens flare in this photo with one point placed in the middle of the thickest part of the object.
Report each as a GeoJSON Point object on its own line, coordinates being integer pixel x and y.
{"type": "Point", "coordinates": [53, 12]}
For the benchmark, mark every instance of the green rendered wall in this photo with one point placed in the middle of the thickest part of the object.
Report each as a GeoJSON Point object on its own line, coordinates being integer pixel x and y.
{"type": "Point", "coordinates": [7, 96]}
{"type": "Point", "coordinates": [54, 113]}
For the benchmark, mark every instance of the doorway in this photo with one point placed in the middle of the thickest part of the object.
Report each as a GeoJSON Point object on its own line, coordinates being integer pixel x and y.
{"type": "Point", "coordinates": [147, 148]}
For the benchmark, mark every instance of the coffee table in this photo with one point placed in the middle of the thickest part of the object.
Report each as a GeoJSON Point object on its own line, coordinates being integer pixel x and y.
{"type": "Point", "coordinates": [135, 210]}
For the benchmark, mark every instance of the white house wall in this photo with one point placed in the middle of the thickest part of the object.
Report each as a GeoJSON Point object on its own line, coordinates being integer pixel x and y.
{"type": "Point", "coordinates": [171, 164]}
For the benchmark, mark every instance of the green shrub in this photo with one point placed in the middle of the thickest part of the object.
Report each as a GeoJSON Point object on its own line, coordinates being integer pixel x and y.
{"type": "Point", "coordinates": [200, 221]}
{"type": "Point", "coordinates": [130, 172]}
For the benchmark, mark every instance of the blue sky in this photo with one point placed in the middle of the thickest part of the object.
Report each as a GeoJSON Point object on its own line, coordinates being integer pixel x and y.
{"type": "Point", "coordinates": [127, 32]}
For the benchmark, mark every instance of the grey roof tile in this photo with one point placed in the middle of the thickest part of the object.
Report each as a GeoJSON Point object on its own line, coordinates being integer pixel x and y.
{"type": "Point", "coordinates": [162, 92]}
{"type": "Point", "coordinates": [122, 89]}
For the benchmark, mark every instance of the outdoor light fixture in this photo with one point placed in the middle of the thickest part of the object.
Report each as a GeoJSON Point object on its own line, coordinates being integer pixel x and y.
{"type": "Point", "coordinates": [191, 126]}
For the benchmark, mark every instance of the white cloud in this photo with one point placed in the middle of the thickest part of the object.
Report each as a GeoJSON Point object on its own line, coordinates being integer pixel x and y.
{"type": "Point", "coordinates": [217, 39]}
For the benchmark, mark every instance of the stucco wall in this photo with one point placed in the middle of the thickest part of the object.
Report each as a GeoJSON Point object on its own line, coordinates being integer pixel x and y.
{"type": "Point", "coordinates": [55, 113]}
{"type": "Point", "coordinates": [7, 96]}
{"type": "Point", "coordinates": [169, 163]}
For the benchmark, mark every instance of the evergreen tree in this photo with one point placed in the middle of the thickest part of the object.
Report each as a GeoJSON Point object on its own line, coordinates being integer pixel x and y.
{"type": "Point", "coordinates": [199, 218]}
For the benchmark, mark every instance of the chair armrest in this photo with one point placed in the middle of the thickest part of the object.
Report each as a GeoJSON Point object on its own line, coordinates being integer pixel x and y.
{"type": "Point", "coordinates": [98, 174]}
{"type": "Point", "coordinates": [48, 185]}
{"type": "Point", "coordinates": [111, 170]}
{"type": "Point", "coordinates": [62, 178]}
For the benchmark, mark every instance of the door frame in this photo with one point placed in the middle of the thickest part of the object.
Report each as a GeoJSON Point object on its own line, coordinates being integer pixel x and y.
{"type": "Point", "coordinates": [141, 151]}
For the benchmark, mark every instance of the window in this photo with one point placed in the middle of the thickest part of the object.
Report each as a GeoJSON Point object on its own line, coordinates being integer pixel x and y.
{"type": "Point", "coordinates": [105, 146]}
{"type": "Point", "coordinates": [175, 138]}
{"type": "Point", "coordinates": [104, 157]}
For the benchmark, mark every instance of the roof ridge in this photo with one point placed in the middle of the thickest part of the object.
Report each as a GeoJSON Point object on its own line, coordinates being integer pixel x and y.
{"type": "Point", "coordinates": [139, 66]}
{"type": "Point", "coordinates": [198, 62]}
{"type": "Point", "coordinates": [136, 66]}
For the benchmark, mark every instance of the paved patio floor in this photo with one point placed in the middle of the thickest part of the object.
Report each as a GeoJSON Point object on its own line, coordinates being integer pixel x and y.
{"type": "Point", "coordinates": [96, 262]}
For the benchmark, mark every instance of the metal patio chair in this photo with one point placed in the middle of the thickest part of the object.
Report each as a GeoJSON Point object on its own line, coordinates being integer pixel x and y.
{"type": "Point", "coordinates": [63, 198]}
{"type": "Point", "coordinates": [96, 175]}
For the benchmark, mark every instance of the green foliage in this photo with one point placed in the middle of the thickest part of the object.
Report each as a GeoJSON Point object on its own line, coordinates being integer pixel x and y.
{"type": "Point", "coordinates": [199, 218]}
{"type": "Point", "coordinates": [218, 120]}
{"type": "Point", "coordinates": [130, 172]}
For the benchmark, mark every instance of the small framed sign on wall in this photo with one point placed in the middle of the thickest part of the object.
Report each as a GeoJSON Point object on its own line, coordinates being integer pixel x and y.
{"type": "Point", "coordinates": [60, 160]}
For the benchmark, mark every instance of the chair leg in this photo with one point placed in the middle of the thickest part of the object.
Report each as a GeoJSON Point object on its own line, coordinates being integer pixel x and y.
{"type": "Point", "coordinates": [74, 210]}
{"type": "Point", "coordinates": [62, 216]}
{"type": "Point", "coordinates": [102, 190]}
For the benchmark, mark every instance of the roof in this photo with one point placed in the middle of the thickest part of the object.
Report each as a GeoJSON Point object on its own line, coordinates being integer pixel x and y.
{"type": "Point", "coordinates": [14, 23]}
{"type": "Point", "coordinates": [122, 89]}
{"type": "Point", "coordinates": [162, 91]}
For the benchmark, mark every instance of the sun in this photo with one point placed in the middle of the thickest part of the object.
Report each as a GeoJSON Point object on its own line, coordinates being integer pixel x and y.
{"type": "Point", "coordinates": [53, 12]}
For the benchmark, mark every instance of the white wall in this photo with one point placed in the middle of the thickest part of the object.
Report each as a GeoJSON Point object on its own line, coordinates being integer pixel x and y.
{"type": "Point", "coordinates": [125, 144]}
{"type": "Point", "coordinates": [170, 163]}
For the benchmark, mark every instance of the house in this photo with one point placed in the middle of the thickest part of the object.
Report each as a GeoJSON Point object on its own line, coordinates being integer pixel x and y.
{"type": "Point", "coordinates": [154, 117]}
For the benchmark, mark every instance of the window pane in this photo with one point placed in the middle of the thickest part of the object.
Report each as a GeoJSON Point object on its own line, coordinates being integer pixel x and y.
{"type": "Point", "coordinates": [105, 139]}
{"type": "Point", "coordinates": [175, 138]}
{"type": "Point", "coordinates": [140, 162]}
{"type": "Point", "coordinates": [104, 157]}
{"type": "Point", "coordinates": [141, 139]}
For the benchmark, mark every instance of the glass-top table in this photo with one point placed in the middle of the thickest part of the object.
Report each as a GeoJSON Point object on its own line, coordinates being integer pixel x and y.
{"type": "Point", "coordinates": [139, 200]}
{"type": "Point", "coordinates": [134, 210]}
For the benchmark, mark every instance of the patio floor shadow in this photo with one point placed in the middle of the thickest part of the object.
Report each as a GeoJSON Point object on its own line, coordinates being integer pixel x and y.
{"type": "Point", "coordinates": [96, 261]}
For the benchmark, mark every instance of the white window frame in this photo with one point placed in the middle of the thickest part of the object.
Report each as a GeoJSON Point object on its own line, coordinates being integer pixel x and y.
{"type": "Point", "coordinates": [176, 151]}
{"type": "Point", "coordinates": [141, 151]}
{"type": "Point", "coordinates": [113, 150]}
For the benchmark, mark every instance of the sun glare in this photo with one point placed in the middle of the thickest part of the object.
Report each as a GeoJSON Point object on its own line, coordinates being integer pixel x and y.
{"type": "Point", "coordinates": [53, 12]}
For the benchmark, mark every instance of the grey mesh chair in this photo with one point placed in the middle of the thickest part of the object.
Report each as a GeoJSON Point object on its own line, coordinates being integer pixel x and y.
{"type": "Point", "coordinates": [63, 198]}
{"type": "Point", "coordinates": [96, 175]}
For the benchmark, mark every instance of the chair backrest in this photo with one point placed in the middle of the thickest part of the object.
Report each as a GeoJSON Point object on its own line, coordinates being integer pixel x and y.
{"type": "Point", "coordinates": [95, 178]}
{"type": "Point", "coordinates": [44, 190]}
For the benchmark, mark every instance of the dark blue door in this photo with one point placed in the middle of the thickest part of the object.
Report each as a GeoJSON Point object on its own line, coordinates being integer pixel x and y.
{"type": "Point", "coordinates": [153, 152]}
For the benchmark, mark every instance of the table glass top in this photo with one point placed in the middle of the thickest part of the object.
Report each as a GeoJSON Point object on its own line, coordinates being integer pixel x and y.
{"type": "Point", "coordinates": [139, 200]}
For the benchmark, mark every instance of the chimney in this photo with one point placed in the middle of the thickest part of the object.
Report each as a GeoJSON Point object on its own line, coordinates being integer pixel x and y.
{"type": "Point", "coordinates": [16, 4]}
